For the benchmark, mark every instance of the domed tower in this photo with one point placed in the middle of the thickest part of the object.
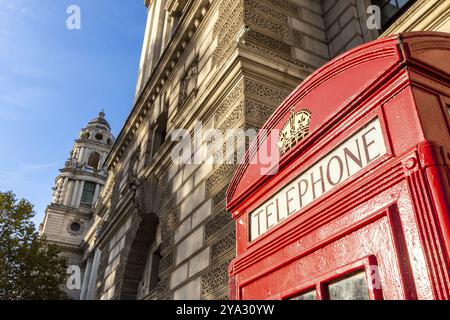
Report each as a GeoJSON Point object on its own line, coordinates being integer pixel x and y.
{"type": "Point", "coordinates": [76, 190]}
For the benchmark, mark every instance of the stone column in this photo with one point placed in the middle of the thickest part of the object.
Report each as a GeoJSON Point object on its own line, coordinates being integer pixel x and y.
{"type": "Point", "coordinates": [76, 194]}
{"type": "Point", "coordinates": [160, 20]}
{"type": "Point", "coordinates": [80, 192]}
{"type": "Point", "coordinates": [87, 274]}
{"type": "Point", "coordinates": [103, 156]}
{"type": "Point", "coordinates": [74, 191]}
{"type": "Point", "coordinates": [63, 192]}
{"type": "Point", "coordinates": [81, 156]}
{"type": "Point", "coordinates": [156, 34]}
{"type": "Point", "coordinates": [145, 46]}
{"type": "Point", "coordinates": [68, 193]}
{"type": "Point", "coordinates": [166, 30]}
{"type": "Point", "coordinates": [90, 295]}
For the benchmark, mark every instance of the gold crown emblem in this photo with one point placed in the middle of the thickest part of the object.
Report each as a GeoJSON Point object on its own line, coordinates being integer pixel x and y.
{"type": "Point", "coordinates": [294, 130]}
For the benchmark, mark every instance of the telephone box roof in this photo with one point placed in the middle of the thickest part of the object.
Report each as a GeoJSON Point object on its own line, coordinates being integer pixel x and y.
{"type": "Point", "coordinates": [334, 90]}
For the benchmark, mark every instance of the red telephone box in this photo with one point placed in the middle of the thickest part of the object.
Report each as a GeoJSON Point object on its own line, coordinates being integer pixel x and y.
{"type": "Point", "coordinates": [357, 205]}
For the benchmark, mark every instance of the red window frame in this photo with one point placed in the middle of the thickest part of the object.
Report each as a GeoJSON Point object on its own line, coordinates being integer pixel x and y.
{"type": "Point", "coordinates": [320, 284]}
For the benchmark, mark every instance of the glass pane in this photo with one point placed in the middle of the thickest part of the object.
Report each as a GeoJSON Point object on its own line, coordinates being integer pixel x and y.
{"type": "Point", "coordinates": [353, 287]}
{"type": "Point", "coordinates": [309, 295]}
{"type": "Point", "coordinates": [88, 192]}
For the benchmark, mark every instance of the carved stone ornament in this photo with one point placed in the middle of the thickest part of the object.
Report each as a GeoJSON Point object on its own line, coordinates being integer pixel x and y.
{"type": "Point", "coordinates": [188, 84]}
{"type": "Point", "coordinates": [98, 230]}
{"type": "Point", "coordinates": [146, 196]}
{"type": "Point", "coordinates": [295, 129]}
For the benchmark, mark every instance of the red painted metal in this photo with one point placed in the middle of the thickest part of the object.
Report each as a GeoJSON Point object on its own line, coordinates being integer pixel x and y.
{"type": "Point", "coordinates": [393, 216]}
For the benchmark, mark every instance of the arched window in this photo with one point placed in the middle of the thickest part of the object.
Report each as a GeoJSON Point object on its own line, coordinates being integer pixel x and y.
{"type": "Point", "coordinates": [87, 197]}
{"type": "Point", "coordinates": [93, 160]}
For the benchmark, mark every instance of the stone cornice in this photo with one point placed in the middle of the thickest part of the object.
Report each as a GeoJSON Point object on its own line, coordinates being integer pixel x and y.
{"type": "Point", "coordinates": [64, 210]}
{"type": "Point", "coordinates": [92, 143]}
{"type": "Point", "coordinates": [195, 12]}
{"type": "Point", "coordinates": [174, 7]}
{"type": "Point", "coordinates": [66, 247]}
{"type": "Point", "coordinates": [75, 174]}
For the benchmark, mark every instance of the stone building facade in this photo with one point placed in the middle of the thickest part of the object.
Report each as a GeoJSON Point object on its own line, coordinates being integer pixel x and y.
{"type": "Point", "coordinates": [76, 190]}
{"type": "Point", "coordinates": [160, 228]}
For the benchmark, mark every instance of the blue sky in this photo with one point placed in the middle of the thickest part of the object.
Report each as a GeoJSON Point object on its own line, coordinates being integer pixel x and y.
{"type": "Point", "coordinates": [54, 80]}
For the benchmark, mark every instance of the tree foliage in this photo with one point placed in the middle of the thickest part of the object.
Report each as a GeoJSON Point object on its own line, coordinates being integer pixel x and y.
{"type": "Point", "coordinates": [30, 267]}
